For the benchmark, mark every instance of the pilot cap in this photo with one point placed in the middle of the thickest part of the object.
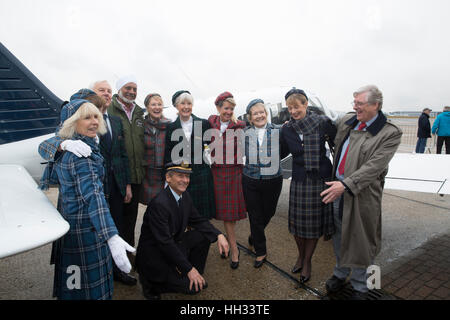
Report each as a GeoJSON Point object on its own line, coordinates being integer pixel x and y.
{"type": "Point", "coordinates": [183, 167]}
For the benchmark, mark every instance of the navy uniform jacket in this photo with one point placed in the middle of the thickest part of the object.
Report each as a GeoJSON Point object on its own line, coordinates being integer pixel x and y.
{"type": "Point", "coordinates": [162, 230]}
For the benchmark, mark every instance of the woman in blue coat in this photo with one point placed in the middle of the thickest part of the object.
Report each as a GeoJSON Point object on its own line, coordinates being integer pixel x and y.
{"type": "Point", "coordinates": [83, 265]}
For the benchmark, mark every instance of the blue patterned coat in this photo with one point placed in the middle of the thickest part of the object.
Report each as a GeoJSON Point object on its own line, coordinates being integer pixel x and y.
{"type": "Point", "coordinates": [84, 207]}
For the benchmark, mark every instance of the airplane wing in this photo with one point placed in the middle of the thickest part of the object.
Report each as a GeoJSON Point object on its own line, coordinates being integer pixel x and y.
{"type": "Point", "coordinates": [27, 218]}
{"type": "Point", "coordinates": [419, 172]}
{"type": "Point", "coordinates": [427, 173]}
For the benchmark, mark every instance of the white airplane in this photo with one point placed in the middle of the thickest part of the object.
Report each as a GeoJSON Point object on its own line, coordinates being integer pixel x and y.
{"type": "Point", "coordinates": [29, 114]}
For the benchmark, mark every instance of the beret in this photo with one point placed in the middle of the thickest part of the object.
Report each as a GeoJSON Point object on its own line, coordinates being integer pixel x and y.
{"type": "Point", "coordinates": [252, 103]}
{"type": "Point", "coordinates": [70, 108]}
{"type": "Point", "coordinates": [223, 96]}
{"type": "Point", "coordinates": [177, 94]}
{"type": "Point", "coordinates": [82, 94]}
{"type": "Point", "coordinates": [295, 91]}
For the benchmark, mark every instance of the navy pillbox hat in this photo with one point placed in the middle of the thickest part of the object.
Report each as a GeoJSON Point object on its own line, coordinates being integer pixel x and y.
{"type": "Point", "coordinates": [252, 103]}
{"type": "Point", "coordinates": [177, 94]}
{"type": "Point", "coordinates": [294, 90]}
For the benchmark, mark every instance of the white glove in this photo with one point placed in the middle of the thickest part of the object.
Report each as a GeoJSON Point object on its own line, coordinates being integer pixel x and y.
{"type": "Point", "coordinates": [77, 147]}
{"type": "Point", "coordinates": [119, 248]}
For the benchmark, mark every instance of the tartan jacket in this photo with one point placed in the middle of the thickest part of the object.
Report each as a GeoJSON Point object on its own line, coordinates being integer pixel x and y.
{"type": "Point", "coordinates": [155, 139]}
{"type": "Point", "coordinates": [292, 144]}
{"type": "Point", "coordinates": [116, 158]}
{"type": "Point", "coordinates": [214, 121]}
{"type": "Point", "coordinates": [84, 207]}
{"type": "Point", "coordinates": [253, 170]}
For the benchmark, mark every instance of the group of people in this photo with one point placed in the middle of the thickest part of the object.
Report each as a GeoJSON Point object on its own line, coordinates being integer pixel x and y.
{"type": "Point", "coordinates": [441, 127]}
{"type": "Point", "coordinates": [107, 158]}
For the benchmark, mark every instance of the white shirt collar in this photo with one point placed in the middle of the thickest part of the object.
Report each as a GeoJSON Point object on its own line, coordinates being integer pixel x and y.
{"type": "Point", "coordinates": [176, 196]}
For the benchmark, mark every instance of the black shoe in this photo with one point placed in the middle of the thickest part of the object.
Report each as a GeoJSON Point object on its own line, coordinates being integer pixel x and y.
{"type": "Point", "coordinates": [296, 269]}
{"type": "Point", "coordinates": [358, 295]}
{"type": "Point", "coordinates": [150, 294]}
{"type": "Point", "coordinates": [235, 265]}
{"type": "Point", "coordinates": [304, 279]}
{"type": "Point", "coordinates": [334, 284]}
{"type": "Point", "coordinates": [258, 264]}
{"type": "Point", "coordinates": [124, 278]}
{"type": "Point", "coordinates": [223, 256]}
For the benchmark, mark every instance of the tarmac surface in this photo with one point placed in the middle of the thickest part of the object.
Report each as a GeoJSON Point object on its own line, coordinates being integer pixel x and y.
{"type": "Point", "coordinates": [414, 260]}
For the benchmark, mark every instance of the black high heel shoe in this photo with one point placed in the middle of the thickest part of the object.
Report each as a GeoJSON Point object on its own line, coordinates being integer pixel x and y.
{"type": "Point", "coordinates": [235, 265]}
{"type": "Point", "coordinates": [296, 269]}
{"type": "Point", "coordinates": [304, 279]}
{"type": "Point", "coordinates": [258, 264]}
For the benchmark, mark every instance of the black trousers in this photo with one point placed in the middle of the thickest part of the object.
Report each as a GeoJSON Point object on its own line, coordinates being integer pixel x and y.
{"type": "Point", "coordinates": [261, 198]}
{"type": "Point", "coordinates": [130, 212]}
{"type": "Point", "coordinates": [440, 143]}
{"type": "Point", "coordinates": [195, 247]}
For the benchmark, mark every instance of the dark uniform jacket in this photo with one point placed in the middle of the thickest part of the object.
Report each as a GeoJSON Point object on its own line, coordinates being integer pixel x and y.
{"type": "Point", "coordinates": [162, 230]}
{"type": "Point", "coordinates": [115, 155]}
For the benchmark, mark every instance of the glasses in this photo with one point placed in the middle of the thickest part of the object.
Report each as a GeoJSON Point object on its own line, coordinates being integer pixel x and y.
{"type": "Point", "coordinates": [359, 104]}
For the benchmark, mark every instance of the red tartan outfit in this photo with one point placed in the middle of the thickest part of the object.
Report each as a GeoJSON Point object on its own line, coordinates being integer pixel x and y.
{"type": "Point", "coordinates": [230, 203]}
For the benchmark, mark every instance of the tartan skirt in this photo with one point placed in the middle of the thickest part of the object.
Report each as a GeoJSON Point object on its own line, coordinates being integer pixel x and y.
{"type": "Point", "coordinates": [82, 248]}
{"type": "Point", "coordinates": [152, 184]}
{"type": "Point", "coordinates": [230, 202]}
{"type": "Point", "coordinates": [309, 217]}
{"type": "Point", "coordinates": [201, 190]}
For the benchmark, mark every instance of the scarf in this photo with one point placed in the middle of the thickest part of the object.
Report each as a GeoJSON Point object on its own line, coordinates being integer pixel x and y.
{"type": "Point", "coordinates": [309, 127]}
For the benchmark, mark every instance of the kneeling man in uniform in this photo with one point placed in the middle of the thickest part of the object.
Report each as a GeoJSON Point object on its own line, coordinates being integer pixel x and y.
{"type": "Point", "coordinates": [175, 240]}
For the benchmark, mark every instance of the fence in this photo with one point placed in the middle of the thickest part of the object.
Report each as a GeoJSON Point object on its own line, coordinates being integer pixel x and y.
{"type": "Point", "coordinates": [409, 127]}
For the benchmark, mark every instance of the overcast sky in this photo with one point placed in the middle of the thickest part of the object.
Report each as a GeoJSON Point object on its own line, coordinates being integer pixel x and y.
{"type": "Point", "coordinates": [328, 47]}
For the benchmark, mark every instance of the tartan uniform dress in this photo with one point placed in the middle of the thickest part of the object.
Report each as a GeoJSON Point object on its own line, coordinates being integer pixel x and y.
{"type": "Point", "coordinates": [230, 202]}
{"type": "Point", "coordinates": [85, 209]}
{"type": "Point", "coordinates": [154, 140]}
{"type": "Point", "coordinates": [309, 217]}
{"type": "Point", "coordinates": [201, 184]}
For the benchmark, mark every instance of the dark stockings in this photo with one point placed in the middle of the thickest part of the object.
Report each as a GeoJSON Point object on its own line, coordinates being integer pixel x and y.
{"type": "Point", "coordinates": [306, 249]}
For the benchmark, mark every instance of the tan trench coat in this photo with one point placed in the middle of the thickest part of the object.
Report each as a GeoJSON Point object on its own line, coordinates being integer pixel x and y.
{"type": "Point", "coordinates": [365, 169]}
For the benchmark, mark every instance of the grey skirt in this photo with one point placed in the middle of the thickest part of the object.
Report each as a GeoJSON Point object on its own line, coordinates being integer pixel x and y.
{"type": "Point", "coordinates": [309, 217]}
